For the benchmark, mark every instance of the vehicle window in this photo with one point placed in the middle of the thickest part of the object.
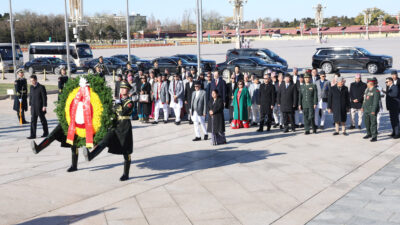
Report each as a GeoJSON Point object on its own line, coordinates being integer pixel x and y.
{"type": "Point", "coordinates": [364, 51]}
{"type": "Point", "coordinates": [162, 61]}
{"type": "Point", "coordinates": [170, 61]}
{"type": "Point", "coordinates": [242, 62]}
{"type": "Point", "coordinates": [342, 52]}
{"type": "Point", "coordinates": [236, 53]}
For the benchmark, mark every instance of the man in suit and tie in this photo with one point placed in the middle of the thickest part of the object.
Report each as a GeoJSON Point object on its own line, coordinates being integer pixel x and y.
{"type": "Point", "coordinates": [177, 94]}
{"type": "Point", "coordinates": [230, 91]}
{"type": "Point", "coordinates": [189, 89]}
{"type": "Point", "coordinates": [161, 99]}
{"type": "Point", "coordinates": [287, 101]}
{"type": "Point", "coordinates": [238, 75]}
{"type": "Point", "coordinates": [218, 84]}
{"type": "Point", "coordinates": [323, 87]}
{"type": "Point", "coordinates": [393, 106]}
{"type": "Point", "coordinates": [314, 75]}
{"type": "Point", "coordinates": [38, 104]}
{"type": "Point", "coordinates": [199, 110]}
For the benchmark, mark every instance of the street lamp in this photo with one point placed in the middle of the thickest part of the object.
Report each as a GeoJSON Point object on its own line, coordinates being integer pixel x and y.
{"type": "Point", "coordinates": [380, 23]}
{"type": "Point", "coordinates": [367, 21]}
{"type": "Point", "coordinates": [237, 17]}
{"type": "Point", "coordinates": [259, 27]}
{"type": "Point", "coordinates": [199, 34]}
{"type": "Point", "coordinates": [128, 32]}
{"type": "Point", "coordinates": [302, 26]}
{"type": "Point", "coordinates": [67, 37]}
{"type": "Point", "coordinates": [319, 20]}
{"type": "Point", "coordinates": [13, 41]}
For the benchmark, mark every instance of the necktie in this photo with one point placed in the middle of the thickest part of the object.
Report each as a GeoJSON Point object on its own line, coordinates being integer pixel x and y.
{"type": "Point", "coordinates": [287, 85]}
{"type": "Point", "coordinates": [158, 86]}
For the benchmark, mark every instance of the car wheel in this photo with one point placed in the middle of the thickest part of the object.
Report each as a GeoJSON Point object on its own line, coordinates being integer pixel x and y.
{"type": "Point", "coordinates": [90, 71]}
{"type": "Point", "coordinates": [327, 67]}
{"type": "Point", "coordinates": [30, 70]}
{"type": "Point", "coordinates": [119, 71]}
{"type": "Point", "coordinates": [226, 74]}
{"type": "Point", "coordinates": [372, 68]}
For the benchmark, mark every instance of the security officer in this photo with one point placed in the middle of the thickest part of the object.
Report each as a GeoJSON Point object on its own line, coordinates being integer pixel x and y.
{"type": "Point", "coordinates": [99, 71]}
{"type": "Point", "coordinates": [119, 139]}
{"type": "Point", "coordinates": [21, 95]}
{"type": "Point", "coordinates": [62, 80]}
{"type": "Point", "coordinates": [308, 100]}
{"type": "Point", "coordinates": [370, 108]}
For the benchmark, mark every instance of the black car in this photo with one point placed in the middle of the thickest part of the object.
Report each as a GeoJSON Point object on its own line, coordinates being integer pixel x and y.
{"type": "Point", "coordinates": [144, 63]}
{"type": "Point", "coordinates": [50, 64]}
{"type": "Point", "coordinates": [247, 65]}
{"type": "Point", "coordinates": [210, 64]}
{"type": "Point", "coordinates": [331, 59]}
{"type": "Point", "coordinates": [111, 64]}
{"type": "Point", "coordinates": [265, 54]}
{"type": "Point", "coordinates": [171, 63]}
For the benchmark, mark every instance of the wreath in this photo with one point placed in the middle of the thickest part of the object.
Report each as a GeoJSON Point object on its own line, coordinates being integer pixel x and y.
{"type": "Point", "coordinates": [85, 111]}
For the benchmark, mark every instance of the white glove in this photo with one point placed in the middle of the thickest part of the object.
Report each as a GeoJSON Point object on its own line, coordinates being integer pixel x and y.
{"type": "Point", "coordinates": [20, 99]}
{"type": "Point", "coordinates": [118, 101]}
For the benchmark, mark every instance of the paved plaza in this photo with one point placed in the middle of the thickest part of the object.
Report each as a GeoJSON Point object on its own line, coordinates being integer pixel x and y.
{"type": "Point", "coordinates": [257, 178]}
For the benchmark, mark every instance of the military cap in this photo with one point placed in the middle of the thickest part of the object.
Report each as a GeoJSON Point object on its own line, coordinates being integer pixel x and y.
{"type": "Point", "coordinates": [20, 70]}
{"type": "Point", "coordinates": [373, 80]}
{"type": "Point", "coordinates": [125, 84]}
{"type": "Point", "coordinates": [307, 75]}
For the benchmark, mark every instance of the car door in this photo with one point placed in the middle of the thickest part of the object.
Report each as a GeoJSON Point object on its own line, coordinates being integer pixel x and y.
{"type": "Point", "coordinates": [245, 65]}
{"type": "Point", "coordinates": [38, 64]}
{"type": "Point", "coordinates": [343, 59]}
{"type": "Point", "coordinates": [162, 64]}
{"type": "Point", "coordinates": [171, 65]}
{"type": "Point", "coordinates": [360, 60]}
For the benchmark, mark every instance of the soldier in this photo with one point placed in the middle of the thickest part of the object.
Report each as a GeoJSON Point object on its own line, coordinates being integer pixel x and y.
{"type": "Point", "coordinates": [99, 71]}
{"type": "Point", "coordinates": [119, 139]}
{"type": "Point", "coordinates": [370, 108]}
{"type": "Point", "coordinates": [62, 80]}
{"type": "Point", "coordinates": [308, 100]}
{"type": "Point", "coordinates": [21, 95]}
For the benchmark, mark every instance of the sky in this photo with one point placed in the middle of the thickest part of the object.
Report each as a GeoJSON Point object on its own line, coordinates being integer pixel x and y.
{"type": "Point", "coordinates": [173, 9]}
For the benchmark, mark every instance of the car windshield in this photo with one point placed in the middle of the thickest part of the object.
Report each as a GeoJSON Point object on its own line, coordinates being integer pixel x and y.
{"type": "Point", "coordinates": [270, 53]}
{"type": "Point", "coordinates": [6, 53]}
{"type": "Point", "coordinates": [364, 51]}
{"type": "Point", "coordinates": [84, 51]}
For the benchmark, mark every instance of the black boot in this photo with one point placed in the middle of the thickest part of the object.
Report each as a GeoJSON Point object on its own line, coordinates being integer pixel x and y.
{"type": "Point", "coordinates": [47, 141]}
{"type": "Point", "coordinates": [74, 165]}
{"type": "Point", "coordinates": [95, 152]}
{"type": "Point", "coordinates": [127, 166]}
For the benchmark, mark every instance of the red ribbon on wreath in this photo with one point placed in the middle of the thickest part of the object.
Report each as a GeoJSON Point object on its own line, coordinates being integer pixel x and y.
{"type": "Point", "coordinates": [83, 95]}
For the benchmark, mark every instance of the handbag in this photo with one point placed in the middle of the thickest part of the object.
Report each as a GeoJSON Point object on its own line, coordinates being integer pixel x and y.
{"type": "Point", "coordinates": [144, 98]}
{"type": "Point", "coordinates": [135, 98]}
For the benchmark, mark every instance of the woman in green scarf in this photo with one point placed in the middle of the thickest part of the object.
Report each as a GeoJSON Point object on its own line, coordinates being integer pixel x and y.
{"type": "Point", "coordinates": [241, 104]}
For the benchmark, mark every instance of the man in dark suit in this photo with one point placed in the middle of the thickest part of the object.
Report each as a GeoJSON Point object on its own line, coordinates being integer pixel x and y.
{"type": "Point", "coordinates": [314, 75]}
{"type": "Point", "coordinates": [218, 84]}
{"type": "Point", "coordinates": [238, 74]}
{"type": "Point", "coordinates": [189, 89]}
{"type": "Point", "coordinates": [38, 104]}
{"type": "Point", "coordinates": [267, 101]}
{"type": "Point", "coordinates": [287, 101]}
{"type": "Point", "coordinates": [230, 91]}
{"type": "Point", "coordinates": [393, 106]}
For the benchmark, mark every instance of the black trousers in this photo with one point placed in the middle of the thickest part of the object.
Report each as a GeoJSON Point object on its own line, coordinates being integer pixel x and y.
{"type": "Point", "coordinates": [230, 113]}
{"type": "Point", "coordinates": [22, 115]}
{"type": "Point", "coordinates": [288, 117]}
{"type": "Point", "coordinates": [394, 121]}
{"type": "Point", "coordinates": [43, 120]}
{"type": "Point", "coordinates": [270, 118]}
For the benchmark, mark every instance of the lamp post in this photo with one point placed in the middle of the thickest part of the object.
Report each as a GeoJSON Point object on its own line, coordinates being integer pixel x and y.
{"type": "Point", "coordinates": [259, 27]}
{"type": "Point", "coordinates": [199, 34]}
{"type": "Point", "coordinates": [237, 17]}
{"type": "Point", "coordinates": [13, 41]}
{"type": "Point", "coordinates": [128, 32]}
{"type": "Point", "coordinates": [67, 37]}
{"type": "Point", "coordinates": [367, 21]}
{"type": "Point", "coordinates": [380, 23]}
{"type": "Point", "coordinates": [302, 25]}
{"type": "Point", "coordinates": [319, 20]}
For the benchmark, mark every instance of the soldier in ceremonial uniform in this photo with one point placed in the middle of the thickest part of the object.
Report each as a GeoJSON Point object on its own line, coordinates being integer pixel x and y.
{"type": "Point", "coordinates": [119, 139]}
{"type": "Point", "coordinates": [62, 80]}
{"type": "Point", "coordinates": [370, 108]}
{"type": "Point", "coordinates": [99, 70]}
{"type": "Point", "coordinates": [308, 100]}
{"type": "Point", "coordinates": [21, 96]}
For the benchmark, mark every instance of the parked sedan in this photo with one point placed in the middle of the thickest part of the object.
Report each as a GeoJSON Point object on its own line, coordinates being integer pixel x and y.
{"type": "Point", "coordinates": [50, 64]}
{"type": "Point", "coordinates": [210, 64]}
{"type": "Point", "coordinates": [111, 64]}
{"type": "Point", "coordinates": [247, 65]}
{"type": "Point", "coordinates": [171, 63]}
{"type": "Point", "coordinates": [144, 63]}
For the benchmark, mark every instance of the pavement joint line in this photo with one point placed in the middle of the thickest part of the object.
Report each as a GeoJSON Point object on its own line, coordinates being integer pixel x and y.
{"type": "Point", "coordinates": [140, 207]}
{"type": "Point", "coordinates": [137, 181]}
{"type": "Point", "coordinates": [339, 180]}
{"type": "Point", "coordinates": [173, 199]}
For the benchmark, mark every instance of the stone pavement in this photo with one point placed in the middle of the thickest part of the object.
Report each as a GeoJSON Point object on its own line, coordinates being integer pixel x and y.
{"type": "Point", "coordinates": [374, 201]}
{"type": "Point", "coordinates": [268, 178]}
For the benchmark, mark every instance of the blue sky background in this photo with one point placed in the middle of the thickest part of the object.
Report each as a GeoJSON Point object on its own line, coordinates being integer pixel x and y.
{"type": "Point", "coordinates": [173, 9]}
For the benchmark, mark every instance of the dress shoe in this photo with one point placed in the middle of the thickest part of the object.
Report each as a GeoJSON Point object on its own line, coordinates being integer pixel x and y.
{"type": "Point", "coordinates": [297, 126]}
{"type": "Point", "coordinates": [30, 137]}
{"type": "Point", "coordinates": [206, 137]}
{"type": "Point", "coordinates": [260, 130]}
{"type": "Point", "coordinates": [197, 139]}
{"type": "Point", "coordinates": [25, 122]}
{"type": "Point", "coordinates": [269, 128]}
{"type": "Point", "coordinates": [190, 122]}
{"type": "Point", "coordinates": [286, 130]}
{"type": "Point", "coordinates": [374, 139]}
{"type": "Point", "coordinates": [165, 121]}
{"type": "Point", "coordinates": [367, 136]}
{"type": "Point", "coordinates": [335, 133]}
{"type": "Point", "coordinates": [155, 122]}
{"type": "Point", "coordinates": [275, 126]}
{"type": "Point", "coordinates": [281, 127]}
{"type": "Point", "coordinates": [314, 130]}
{"type": "Point", "coordinates": [352, 127]}
{"type": "Point", "coordinates": [396, 137]}
{"type": "Point", "coordinates": [345, 134]}
{"type": "Point", "coordinates": [301, 125]}
{"type": "Point", "coordinates": [322, 127]}
{"type": "Point", "coordinates": [392, 135]}
{"type": "Point", "coordinates": [359, 127]}
{"type": "Point", "coordinates": [44, 135]}
{"type": "Point", "coordinates": [307, 132]}
{"type": "Point", "coordinates": [293, 130]}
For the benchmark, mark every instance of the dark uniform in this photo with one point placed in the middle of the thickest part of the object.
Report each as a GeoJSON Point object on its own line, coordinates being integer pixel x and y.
{"type": "Point", "coordinates": [38, 100]}
{"type": "Point", "coordinates": [101, 73]}
{"type": "Point", "coordinates": [20, 98]}
{"type": "Point", "coordinates": [371, 109]}
{"type": "Point", "coordinates": [267, 97]}
{"type": "Point", "coordinates": [62, 80]}
{"type": "Point", "coordinates": [119, 139]}
{"type": "Point", "coordinates": [308, 98]}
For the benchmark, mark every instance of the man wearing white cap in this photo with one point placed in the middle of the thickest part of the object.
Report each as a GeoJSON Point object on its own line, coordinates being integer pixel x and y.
{"type": "Point", "coordinates": [357, 89]}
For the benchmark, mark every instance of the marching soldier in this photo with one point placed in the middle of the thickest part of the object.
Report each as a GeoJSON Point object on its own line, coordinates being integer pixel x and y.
{"type": "Point", "coordinates": [119, 139]}
{"type": "Point", "coordinates": [21, 96]}
{"type": "Point", "coordinates": [62, 80]}
{"type": "Point", "coordinates": [308, 100]}
{"type": "Point", "coordinates": [370, 108]}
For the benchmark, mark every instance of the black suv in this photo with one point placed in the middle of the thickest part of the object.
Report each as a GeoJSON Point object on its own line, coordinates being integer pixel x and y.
{"type": "Point", "coordinates": [210, 64]}
{"type": "Point", "coordinates": [247, 65]}
{"type": "Point", "coordinates": [171, 63]}
{"type": "Point", "coordinates": [50, 64]}
{"type": "Point", "coordinates": [265, 54]}
{"type": "Point", "coordinates": [332, 59]}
